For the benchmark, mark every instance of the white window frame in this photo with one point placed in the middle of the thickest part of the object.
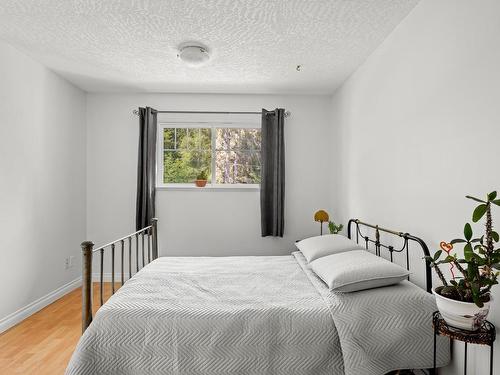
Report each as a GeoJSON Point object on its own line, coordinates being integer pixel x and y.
{"type": "Point", "coordinates": [196, 125]}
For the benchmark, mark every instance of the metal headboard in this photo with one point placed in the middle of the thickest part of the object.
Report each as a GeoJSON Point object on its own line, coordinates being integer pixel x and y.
{"type": "Point", "coordinates": [407, 238]}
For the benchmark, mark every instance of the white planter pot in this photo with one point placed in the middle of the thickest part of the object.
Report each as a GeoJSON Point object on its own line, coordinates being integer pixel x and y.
{"type": "Point", "coordinates": [463, 315]}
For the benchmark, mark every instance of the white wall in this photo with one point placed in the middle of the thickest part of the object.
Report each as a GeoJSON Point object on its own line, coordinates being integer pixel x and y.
{"type": "Point", "coordinates": [204, 222]}
{"type": "Point", "coordinates": [42, 180]}
{"type": "Point", "coordinates": [419, 125]}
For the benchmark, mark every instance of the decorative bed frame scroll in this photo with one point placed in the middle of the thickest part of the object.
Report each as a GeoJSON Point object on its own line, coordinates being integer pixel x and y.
{"type": "Point", "coordinates": [407, 238]}
{"type": "Point", "coordinates": [88, 250]}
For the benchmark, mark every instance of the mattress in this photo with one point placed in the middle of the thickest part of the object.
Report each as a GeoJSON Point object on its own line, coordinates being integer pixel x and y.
{"type": "Point", "coordinates": [254, 315]}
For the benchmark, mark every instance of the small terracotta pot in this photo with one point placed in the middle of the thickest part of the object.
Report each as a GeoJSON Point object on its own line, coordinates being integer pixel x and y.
{"type": "Point", "coordinates": [200, 183]}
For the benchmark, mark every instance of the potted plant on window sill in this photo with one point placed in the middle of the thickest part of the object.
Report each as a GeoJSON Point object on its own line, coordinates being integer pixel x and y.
{"type": "Point", "coordinates": [464, 300]}
{"type": "Point", "coordinates": [201, 179]}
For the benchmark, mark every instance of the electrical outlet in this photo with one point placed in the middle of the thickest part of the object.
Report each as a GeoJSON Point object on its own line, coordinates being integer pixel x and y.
{"type": "Point", "coordinates": [69, 262]}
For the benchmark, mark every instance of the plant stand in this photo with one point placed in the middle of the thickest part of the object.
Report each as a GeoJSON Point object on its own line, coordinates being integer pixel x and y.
{"type": "Point", "coordinates": [483, 336]}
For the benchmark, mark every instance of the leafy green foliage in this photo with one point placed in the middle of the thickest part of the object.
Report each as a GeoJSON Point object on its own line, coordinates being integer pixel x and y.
{"type": "Point", "coordinates": [334, 228]}
{"type": "Point", "coordinates": [480, 264]}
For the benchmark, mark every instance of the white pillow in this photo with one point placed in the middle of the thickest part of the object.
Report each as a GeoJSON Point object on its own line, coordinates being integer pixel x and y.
{"type": "Point", "coordinates": [316, 247]}
{"type": "Point", "coordinates": [357, 270]}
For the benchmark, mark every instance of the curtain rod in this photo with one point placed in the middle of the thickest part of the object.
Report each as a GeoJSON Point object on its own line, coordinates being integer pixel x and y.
{"type": "Point", "coordinates": [287, 113]}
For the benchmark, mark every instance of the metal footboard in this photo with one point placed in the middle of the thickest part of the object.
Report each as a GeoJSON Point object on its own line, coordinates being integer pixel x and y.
{"type": "Point", "coordinates": [145, 244]}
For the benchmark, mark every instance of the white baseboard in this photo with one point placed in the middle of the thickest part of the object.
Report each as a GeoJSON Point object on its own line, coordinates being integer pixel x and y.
{"type": "Point", "coordinates": [28, 310]}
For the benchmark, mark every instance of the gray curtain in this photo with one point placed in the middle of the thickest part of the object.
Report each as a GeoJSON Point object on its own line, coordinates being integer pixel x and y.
{"type": "Point", "coordinates": [272, 185]}
{"type": "Point", "coordinates": [146, 168]}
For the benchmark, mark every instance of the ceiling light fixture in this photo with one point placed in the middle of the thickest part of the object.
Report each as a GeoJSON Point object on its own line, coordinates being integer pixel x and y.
{"type": "Point", "coordinates": [193, 54]}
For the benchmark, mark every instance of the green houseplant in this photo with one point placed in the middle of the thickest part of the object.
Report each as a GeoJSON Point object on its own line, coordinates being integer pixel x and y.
{"type": "Point", "coordinates": [334, 228]}
{"type": "Point", "coordinates": [201, 178]}
{"type": "Point", "coordinates": [464, 299]}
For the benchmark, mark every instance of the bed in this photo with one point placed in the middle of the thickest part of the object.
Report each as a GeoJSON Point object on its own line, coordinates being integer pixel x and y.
{"type": "Point", "coordinates": [250, 315]}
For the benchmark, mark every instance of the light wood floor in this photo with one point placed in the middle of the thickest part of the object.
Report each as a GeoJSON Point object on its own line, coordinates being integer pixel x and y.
{"type": "Point", "coordinates": [43, 343]}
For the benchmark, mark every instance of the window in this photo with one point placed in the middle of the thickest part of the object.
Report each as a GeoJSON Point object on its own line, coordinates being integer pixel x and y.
{"type": "Point", "coordinates": [229, 155]}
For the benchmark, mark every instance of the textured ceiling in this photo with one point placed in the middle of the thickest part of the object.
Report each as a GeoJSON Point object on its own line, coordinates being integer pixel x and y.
{"type": "Point", "coordinates": [255, 45]}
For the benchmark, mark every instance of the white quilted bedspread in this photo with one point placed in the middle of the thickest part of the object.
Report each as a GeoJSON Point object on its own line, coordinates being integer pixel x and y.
{"type": "Point", "coordinates": [253, 315]}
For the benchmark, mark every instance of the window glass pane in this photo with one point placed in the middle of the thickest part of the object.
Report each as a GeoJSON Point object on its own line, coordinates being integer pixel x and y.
{"type": "Point", "coordinates": [237, 156]}
{"type": "Point", "coordinates": [237, 167]}
{"type": "Point", "coordinates": [192, 154]}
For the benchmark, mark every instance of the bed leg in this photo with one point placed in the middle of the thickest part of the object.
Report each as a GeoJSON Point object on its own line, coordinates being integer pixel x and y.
{"type": "Point", "coordinates": [87, 248]}
{"type": "Point", "coordinates": [154, 224]}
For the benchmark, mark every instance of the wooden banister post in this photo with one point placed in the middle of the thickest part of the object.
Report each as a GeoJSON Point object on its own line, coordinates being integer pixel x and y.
{"type": "Point", "coordinates": [154, 224]}
{"type": "Point", "coordinates": [87, 247]}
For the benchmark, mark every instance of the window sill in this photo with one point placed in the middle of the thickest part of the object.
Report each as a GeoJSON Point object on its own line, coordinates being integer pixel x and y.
{"type": "Point", "coordinates": [208, 187]}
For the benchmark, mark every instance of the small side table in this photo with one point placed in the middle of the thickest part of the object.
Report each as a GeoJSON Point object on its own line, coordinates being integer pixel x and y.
{"type": "Point", "coordinates": [483, 336]}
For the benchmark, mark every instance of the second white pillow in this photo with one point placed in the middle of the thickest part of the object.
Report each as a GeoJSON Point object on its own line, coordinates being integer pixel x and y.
{"type": "Point", "coordinates": [316, 247]}
{"type": "Point", "coordinates": [357, 270]}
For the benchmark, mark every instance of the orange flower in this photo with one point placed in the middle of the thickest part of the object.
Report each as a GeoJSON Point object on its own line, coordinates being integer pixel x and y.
{"type": "Point", "coordinates": [321, 216]}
